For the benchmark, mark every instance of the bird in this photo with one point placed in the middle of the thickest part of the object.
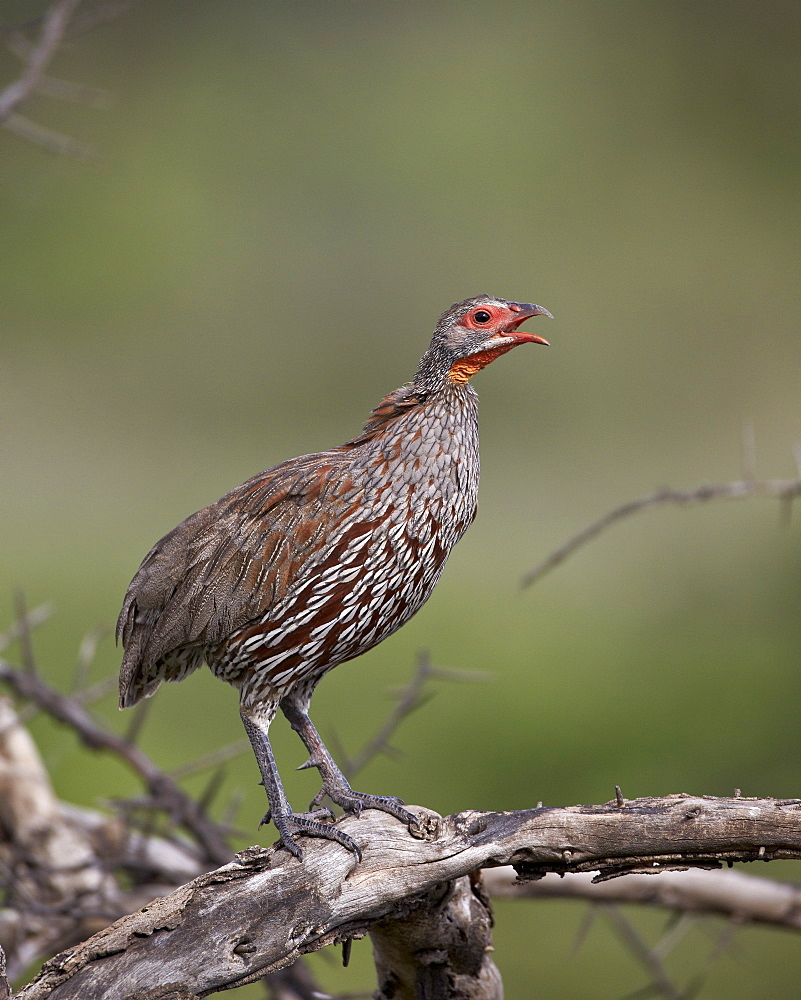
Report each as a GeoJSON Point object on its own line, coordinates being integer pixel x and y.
{"type": "Point", "coordinates": [320, 558]}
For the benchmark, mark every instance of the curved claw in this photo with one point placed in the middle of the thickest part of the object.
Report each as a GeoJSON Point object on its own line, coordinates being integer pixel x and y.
{"type": "Point", "coordinates": [319, 811]}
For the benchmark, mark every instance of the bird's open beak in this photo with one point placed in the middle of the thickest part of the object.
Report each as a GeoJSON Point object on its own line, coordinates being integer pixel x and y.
{"type": "Point", "coordinates": [524, 311]}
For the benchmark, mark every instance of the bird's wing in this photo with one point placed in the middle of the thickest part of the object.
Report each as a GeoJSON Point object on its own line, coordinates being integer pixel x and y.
{"type": "Point", "coordinates": [230, 562]}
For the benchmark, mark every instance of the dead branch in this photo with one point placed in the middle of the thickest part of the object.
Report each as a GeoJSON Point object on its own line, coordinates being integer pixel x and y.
{"type": "Point", "coordinates": [265, 909]}
{"type": "Point", "coordinates": [54, 24]}
{"type": "Point", "coordinates": [59, 862]}
{"type": "Point", "coordinates": [180, 806]}
{"type": "Point", "coordinates": [408, 699]}
{"type": "Point", "coordinates": [442, 948]}
{"type": "Point", "coordinates": [5, 988]}
{"type": "Point", "coordinates": [786, 490]}
{"type": "Point", "coordinates": [61, 20]}
{"type": "Point", "coordinates": [733, 894]}
{"type": "Point", "coordinates": [52, 861]}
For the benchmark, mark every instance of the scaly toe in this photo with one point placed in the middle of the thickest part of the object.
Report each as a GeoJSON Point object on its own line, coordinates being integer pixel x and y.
{"type": "Point", "coordinates": [355, 802]}
{"type": "Point", "coordinates": [293, 824]}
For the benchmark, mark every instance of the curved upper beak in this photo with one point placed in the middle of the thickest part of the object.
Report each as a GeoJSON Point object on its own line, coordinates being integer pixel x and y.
{"type": "Point", "coordinates": [524, 311]}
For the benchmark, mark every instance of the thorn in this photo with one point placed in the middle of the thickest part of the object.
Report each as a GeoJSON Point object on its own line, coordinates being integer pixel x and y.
{"type": "Point", "coordinates": [737, 793]}
{"type": "Point", "coordinates": [539, 804]}
{"type": "Point", "coordinates": [347, 944]}
{"type": "Point", "coordinates": [762, 852]}
{"type": "Point", "coordinates": [619, 797]}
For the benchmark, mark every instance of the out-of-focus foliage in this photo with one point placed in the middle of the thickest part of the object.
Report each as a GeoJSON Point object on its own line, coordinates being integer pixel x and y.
{"type": "Point", "coordinates": [288, 196]}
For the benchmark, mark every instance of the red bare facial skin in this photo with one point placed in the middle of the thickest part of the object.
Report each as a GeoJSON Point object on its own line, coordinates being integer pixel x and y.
{"type": "Point", "coordinates": [503, 324]}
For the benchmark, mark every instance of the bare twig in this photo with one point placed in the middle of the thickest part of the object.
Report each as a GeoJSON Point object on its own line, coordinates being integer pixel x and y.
{"type": "Point", "coordinates": [295, 983]}
{"type": "Point", "coordinates": [54, 25]}
{"type": "Point", "coordinates": [86, 656]}
{"type": "Point", "coordinates": [212, 759]}
{"type": "Point", "coordinates": [50, 86]}
{"type": "Point", "coordinates": [748, 451]}
{"type": "Point", "coordinates": [24, 633]}
{"type": "Point", "coordinates": [95, 13]}
{"type": "Point", "coordinates": [409, 699]}
{"type": "Point", "coordinates": [662, 983]}
{"type": "Point", "coordinates": [722, 943]}
{"type": "Point", "coordinates": [32, 619]}
{"type": "Point", "coordinates": [785, 490]}
{"type": "Point", "coordinates": [170, 796]}
{"type": "Point", "coordinates": [56, 142]}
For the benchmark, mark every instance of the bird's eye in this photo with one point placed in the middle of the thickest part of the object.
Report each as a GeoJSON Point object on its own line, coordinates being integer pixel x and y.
{"type": "Point", "coordinates": [482, 316]}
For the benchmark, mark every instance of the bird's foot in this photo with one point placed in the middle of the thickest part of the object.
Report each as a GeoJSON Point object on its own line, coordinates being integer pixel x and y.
{"type": "Point", "coordinates": [355, 802]}
{"type": "Point", "coordinates": [312, 824]}
{"type": "Point", "coordinates": [315, 812]}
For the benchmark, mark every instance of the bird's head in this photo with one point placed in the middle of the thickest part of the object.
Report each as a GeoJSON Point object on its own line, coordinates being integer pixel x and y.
{"type": "Point", "coordinates": [472, 334]}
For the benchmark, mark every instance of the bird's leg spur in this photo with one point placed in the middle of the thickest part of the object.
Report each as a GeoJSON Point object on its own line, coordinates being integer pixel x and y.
{"type": "Point", "coordinates": [288, 823]}
{"type": "Point", "coordinates": [335, 785]}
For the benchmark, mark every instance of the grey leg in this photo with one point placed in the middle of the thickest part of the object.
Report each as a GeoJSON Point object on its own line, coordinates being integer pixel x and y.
{"type": "Point", "coordinates": [335, 784]}
{"type": "Point", "coordinates": [288, 823]}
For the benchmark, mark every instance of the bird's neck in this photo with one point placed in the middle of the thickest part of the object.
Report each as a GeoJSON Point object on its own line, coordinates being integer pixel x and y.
{"type": "Point", "coordinates": [436, 370]}
{"type": "Point", "coordinates": [427, 411]}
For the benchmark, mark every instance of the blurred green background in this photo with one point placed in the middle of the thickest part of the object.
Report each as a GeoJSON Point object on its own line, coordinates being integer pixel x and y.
{"type": "Point", "coordinates": [288, 195]}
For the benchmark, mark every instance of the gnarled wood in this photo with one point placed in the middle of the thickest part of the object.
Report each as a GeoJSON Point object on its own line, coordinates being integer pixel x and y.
{"type": "Point", "coordinates": [265, 909]}
{"type": "Point", "coordinates": [442, 949]}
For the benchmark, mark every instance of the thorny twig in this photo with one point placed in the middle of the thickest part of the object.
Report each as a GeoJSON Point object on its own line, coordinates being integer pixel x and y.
{"type": "Point", "coordinates": [662, 984]}
{"type": "Point", "coordinates": [59, 17]}
{"type": "Point", "coordinates": [169, 795]}
{"type": "Point", "coordinates": [409, 699]}
{"type": "Point", "coordinates": [33, 618]}
{"type": "Point", "coordinates": [785, 490]}
{"type": "Point", "coordinates": [54, 24]}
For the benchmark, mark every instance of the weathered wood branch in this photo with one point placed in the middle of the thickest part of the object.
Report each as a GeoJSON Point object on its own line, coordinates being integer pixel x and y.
{"type": "Point", "coordinates": [442, 949]}
{"type": "Point", "coordinates": [731, 894]}
{"type": "Point", "coordinates": [5, 987]}
{"type": "Point", "coordinates": [263, 910]}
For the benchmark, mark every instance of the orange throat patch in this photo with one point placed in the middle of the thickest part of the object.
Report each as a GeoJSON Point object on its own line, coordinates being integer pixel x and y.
{"type": "Point", "coordinates": [462, 371]}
